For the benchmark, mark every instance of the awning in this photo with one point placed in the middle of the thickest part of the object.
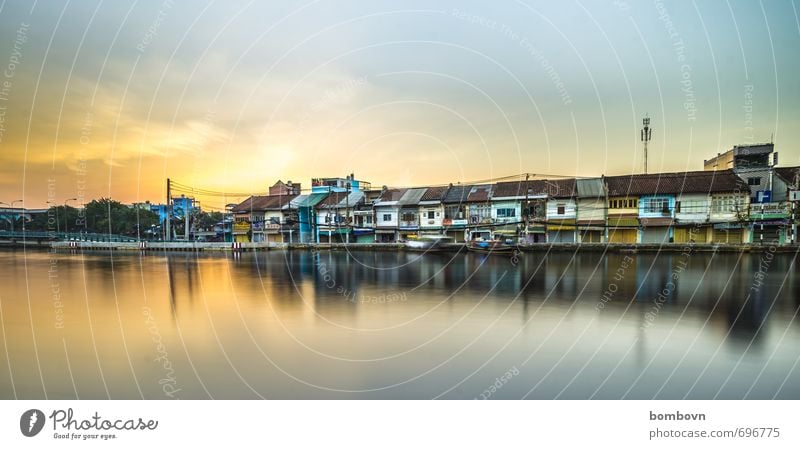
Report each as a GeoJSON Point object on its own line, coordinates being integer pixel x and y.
{"type": "Point", "coordinates": [729, 225]}
{"type": "Point", "coordinates": [585, 223]}
{"type": "Point", "coordinates": [331, 230]}
{"type": "Point", "coordinates": [771, 222]}
{"type": "Point", "coordinates": [690, 223]}
{"type": "Point", "coordinates": [535, 229]}
{"type": "Point", "coordinates": [384, 231]}
{"type": "Point", "coordinates": [560, 228]}
{"type": "Point", "coordinates": [506, 228]}
{"type": "Point", "coordinates": [651, 222]}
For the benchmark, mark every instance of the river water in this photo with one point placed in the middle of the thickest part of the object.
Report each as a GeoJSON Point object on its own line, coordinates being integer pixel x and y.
{"type": "Point", "coordinates": [301, 324]}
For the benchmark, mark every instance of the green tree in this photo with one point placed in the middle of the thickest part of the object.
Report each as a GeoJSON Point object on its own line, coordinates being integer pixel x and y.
{"type": "Point", "coordinates": [109, 216]}
{"type": "Point", "coordinates": [207, 220]}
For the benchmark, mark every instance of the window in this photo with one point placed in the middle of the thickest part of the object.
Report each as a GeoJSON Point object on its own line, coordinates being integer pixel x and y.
{"type": "Point", "coordinates": [481, 210]}
{"type": "Point", "coordinates": [387, 217]}
{"type": "Point", "coordinates": [431, 214]}
{"type": "Point", "coordinates": [506, 212]}
{"type": "Point", "coordinates": [454, 212]}
{"type": "Point", "coordinates": [657, 205]}
{"type": "Point", "coordinates": [409, 216]}
{"type": "Point", "coordinates": [623, 204]}
{"type": "Point", "coordinates": [754, 181]}
{"type": "Point", "coordinates": [368, 219]}
{"type": "Point", "coordinates": [561, 209]}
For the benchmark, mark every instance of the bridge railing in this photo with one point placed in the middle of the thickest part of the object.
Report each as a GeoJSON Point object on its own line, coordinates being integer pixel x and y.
{"type": "Point", "coordinates": [66, 236]}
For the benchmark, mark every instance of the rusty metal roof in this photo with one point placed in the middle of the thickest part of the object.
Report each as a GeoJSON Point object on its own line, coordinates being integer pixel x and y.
{"type": "Point", "coordinates": [480, 193]}
{"type": "Point", "coordinates": [435, 193]}
{"type": "Point", "coordinates": [675, 183]}
{"type": "Point", "coordinates": [258, 203]}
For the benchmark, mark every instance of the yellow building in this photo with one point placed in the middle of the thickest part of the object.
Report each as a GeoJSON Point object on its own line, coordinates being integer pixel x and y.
{"type": "Point", "coordinates": [623, 219]}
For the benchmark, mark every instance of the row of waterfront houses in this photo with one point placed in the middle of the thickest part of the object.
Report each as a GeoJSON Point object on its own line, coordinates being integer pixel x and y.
{"type": "Point", "coordinates": [720, 206]}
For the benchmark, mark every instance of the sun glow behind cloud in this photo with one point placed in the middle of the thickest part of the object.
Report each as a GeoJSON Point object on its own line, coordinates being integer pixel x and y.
{"type": "Point", "coordinates": [234, 96]}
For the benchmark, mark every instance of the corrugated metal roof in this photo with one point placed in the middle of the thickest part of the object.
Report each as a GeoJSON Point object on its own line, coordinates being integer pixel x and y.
{"type": "Point", "coordinates": [309, 200]}
{"type": "Point", "coordinates": [480, 193]}
{"type": "Point", "coordinates": [787, 173]}
{"type": "Point", "coordinates": [390, 197]}
{"type": "Point", "coordinates": [590, 188]}
{"type": "Point", "coordinates": [512, 189]}
{"type": "Point", "coordinates": [435, 193]}
{"type": "Point", "coordinates": [556, 188]}
{"type": "Point", "coordinates": [297, 200]}
{"type": "Point", "coordinates": [342, 200]}
{"type": "Point", "coordinates": [674, 183]}
{"type": "Point", "coordinates": [412, 196]}
{"type": "Point", "coordinates": [263, 202]}
{"type": "Point", "coordinates": [457, 194]}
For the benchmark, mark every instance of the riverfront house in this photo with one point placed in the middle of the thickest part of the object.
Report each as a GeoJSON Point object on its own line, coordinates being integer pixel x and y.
{"type": "Point", "coordinates": [740, 198]}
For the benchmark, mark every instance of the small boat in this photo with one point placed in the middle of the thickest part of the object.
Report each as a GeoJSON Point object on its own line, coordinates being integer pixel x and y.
{"type": "Point", "coordinates": [427, 243]}
{"type": "Point", "coordinates": [491, 242]}
{"type": "Point", "coordinates": [490, 247]}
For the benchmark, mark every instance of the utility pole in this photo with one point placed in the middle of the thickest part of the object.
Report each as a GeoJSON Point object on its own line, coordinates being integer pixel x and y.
{"type": "Point", "coordinates": [167, 233]}
{"type": "Point", "coordinates": [347, 214]}
{"type": "Point", "coordinates": [525, 215]}
{"type": "Point", "coordinates": [647, 134]}
{"type": "Point", "coordinates": [185, 217]}
{"type": "Point", "coordinates": [795, 186]}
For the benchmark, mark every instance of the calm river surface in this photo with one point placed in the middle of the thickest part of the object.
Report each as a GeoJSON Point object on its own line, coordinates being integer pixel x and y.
{"type": "Point", "coordinates": [398, 325]}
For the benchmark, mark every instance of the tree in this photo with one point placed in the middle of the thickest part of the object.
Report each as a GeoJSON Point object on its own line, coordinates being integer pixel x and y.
{"type": "Point", "coordinates": [108, 216]}
{"type": "Point", "coordinates": [207, 220]}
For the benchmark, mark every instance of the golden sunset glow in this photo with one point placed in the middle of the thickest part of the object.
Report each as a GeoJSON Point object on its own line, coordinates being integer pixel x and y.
{"type": "Point", "coordinates": [110, 100]}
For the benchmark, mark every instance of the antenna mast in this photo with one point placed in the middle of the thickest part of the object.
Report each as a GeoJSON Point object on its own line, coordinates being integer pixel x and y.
{"type": "Point", "coordinates": [647, 134]}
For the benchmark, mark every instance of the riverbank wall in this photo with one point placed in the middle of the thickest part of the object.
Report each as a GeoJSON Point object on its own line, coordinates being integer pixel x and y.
{"type": "Point", "coordinates": [454, 247]}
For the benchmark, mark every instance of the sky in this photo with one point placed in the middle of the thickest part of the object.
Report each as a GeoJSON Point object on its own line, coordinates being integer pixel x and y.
{"type": "Point", "coordinates": [108, 99]}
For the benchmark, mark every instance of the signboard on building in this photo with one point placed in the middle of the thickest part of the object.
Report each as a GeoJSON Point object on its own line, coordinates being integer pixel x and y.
{"type": "Point", "coordinates": [241, 226]}
{"type": "Point", "coordinates": [764, 196]}
{"type": "Point", "coordinates": [794, 195]}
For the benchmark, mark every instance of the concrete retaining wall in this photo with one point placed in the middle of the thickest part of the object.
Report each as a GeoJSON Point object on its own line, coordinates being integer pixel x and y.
{"type": "Point", "coordinates": [542, 247]}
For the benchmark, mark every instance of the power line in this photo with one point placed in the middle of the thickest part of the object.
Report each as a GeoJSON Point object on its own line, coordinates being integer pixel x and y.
{"type": "Point", "coordinates": [183, 188]}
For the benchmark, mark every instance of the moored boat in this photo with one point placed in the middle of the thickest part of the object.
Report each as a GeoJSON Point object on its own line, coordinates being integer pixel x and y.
{"type": "Point", "coordinates": [427, 243]}
{"type": "Point", "coordinates": [490, 247]}
{"type": "Point", "coordinates": [494, 242]}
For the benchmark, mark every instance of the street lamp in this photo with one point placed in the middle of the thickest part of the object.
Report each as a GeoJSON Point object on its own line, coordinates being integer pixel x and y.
{"type": "Point", "coordinates": [66, 222]}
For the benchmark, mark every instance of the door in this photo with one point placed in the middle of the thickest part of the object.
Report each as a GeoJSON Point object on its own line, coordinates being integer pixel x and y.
{"type": "Point", "coordinates": [622, 235]}
{"type": "Point", "coordinates": [656, 234]}
{"type": "Point", "coordinates": [561, 236]}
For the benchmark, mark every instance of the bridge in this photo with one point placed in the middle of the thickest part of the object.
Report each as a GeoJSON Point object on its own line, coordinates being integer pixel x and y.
{"type": "Point", "coordinates": [42, 236]}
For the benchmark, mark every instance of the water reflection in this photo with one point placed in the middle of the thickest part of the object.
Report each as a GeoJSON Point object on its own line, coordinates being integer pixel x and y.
{"type": "Point", "coordinates": [384, 324]}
